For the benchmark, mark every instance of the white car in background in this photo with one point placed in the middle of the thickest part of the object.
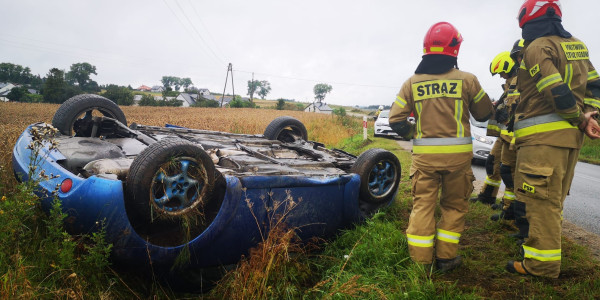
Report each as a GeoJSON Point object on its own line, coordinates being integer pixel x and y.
{"type": "Point", "coordinates": [382, 124]}
{"type": "Point", "coordinates": [482, 144]}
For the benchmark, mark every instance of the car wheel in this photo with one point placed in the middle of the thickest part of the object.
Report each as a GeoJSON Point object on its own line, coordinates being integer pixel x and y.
{"type": "Point", "coordinates": [286, 129]}
{"type": "Point", "coordinates": [380, 173]}
{"type": "Point", "coordinates": [74, 116]}
{"type": "Point", "coordinates": [169, 192]}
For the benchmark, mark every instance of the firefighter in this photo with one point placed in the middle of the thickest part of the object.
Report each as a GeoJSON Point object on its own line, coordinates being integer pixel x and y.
{"type": "Point", "coordinates": [505, 65]}
{"type": "Point", "coordinates": [551, 119]}
{"type": "Point", "coordinates": [509, 158]}
{"type": "Point", "coordinates": [442, 98]}
{"type": "Point", "coordinates": [379, 110]}
{"type": "Point", "coordinates": [491, 185]}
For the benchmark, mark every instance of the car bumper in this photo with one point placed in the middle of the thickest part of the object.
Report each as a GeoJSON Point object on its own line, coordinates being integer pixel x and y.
{"type": "Point", "coordinates": [481, 150]}
{"type": "Point", "coordinates": [323, 206]}
{"type": "Point", "coordinates": [384, 130]}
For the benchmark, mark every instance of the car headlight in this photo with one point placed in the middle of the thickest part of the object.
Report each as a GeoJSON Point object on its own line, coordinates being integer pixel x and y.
{"type": "Point", "coordinates": [483, 139]}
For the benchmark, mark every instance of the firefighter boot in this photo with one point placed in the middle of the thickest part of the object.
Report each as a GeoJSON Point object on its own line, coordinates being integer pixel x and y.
{"type": "Point", "coordinates": [486, 197]}
{"type": "Point", "coordinates": [505, 214]}
{"type": "Point", "coordinates": [516, 267]}
{"type": "Point", "coordinates": [447, 265]}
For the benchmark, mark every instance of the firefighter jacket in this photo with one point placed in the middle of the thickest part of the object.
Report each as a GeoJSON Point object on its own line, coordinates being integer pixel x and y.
{"type": "Point", "coordinates": [441, 103]}
{"type": "Point", "coordinates": [552, 80]}
{"type": "Point", "coordinates": [510, 103]}
{"type": "Point", "coordinates": [493, 127]}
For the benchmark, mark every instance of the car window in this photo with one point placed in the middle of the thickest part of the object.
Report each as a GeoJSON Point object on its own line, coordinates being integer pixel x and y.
{"type": "Point", "coordinates": [384, 114]}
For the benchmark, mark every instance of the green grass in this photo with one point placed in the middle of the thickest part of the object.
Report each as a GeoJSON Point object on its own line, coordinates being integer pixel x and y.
{"type": "Point", "coordinates": [590, 152]}
{"type": "Point", "coordinates": [371, 261]}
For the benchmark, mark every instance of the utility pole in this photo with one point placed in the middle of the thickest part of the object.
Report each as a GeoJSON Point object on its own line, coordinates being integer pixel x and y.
{"type": "Point", "coordinates": [229, 70]}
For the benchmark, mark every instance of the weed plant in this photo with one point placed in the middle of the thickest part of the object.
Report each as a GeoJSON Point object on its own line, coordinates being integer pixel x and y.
{"type": "Point", "coordinates": [38, 258]}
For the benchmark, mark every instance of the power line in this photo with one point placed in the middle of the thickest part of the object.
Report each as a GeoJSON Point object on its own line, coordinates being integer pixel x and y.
{"type": "Point", "coordinates": [186, 28]}
{"type": "Point", "coordinates": [322, 81]}
{"type": "Point", "coordinates": [198, 33]}
{"type": "Point", "coordinates": [205, 27]}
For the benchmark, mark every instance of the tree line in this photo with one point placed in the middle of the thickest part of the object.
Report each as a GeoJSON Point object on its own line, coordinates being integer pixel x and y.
{"type": "Point", "coordinates": [59, 85]}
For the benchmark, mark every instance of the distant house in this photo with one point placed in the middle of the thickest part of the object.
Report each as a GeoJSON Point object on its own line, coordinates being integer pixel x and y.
{"type": "Point", "coordinates": [188, 99]}
{"type": "Point", "coordinates": [157, 89]}
{"type": "Point", "coordinates": [226, 100]}
{"type": "Point", "coordinates": [4, 90]}
{"type": "Point", "coordinates": [319, 107]}
{"type": "Point", "coordinates": [144, 88]}
{"type": "Point", "coordinates": [204, 92]}
{"type": "Point", "coordinates": [137, 99]}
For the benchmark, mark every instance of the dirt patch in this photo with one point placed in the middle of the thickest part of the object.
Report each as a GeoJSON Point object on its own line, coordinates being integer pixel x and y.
{"type": "Point", "coordinates": [582, 237]}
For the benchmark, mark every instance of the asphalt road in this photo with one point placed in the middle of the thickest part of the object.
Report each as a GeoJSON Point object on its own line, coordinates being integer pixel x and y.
{"type": "Point", "coordinates": [582, 206]}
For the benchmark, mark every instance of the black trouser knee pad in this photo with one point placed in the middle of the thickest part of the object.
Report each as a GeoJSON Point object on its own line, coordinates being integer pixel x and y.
{"type": "Point", "coordinates": [521, 222]}
{"type": "Point", "coordinates": [489, 165]}
{"type": "Point", "coordinates": [506, 174]}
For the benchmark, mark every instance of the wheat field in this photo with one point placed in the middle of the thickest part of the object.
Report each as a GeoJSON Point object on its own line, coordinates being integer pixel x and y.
{"type": "Point", "coordinates": [15, 117]}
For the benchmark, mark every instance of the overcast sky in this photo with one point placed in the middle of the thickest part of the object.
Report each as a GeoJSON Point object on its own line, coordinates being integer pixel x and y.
{"type": "Point", "coordinates": [364, 49]}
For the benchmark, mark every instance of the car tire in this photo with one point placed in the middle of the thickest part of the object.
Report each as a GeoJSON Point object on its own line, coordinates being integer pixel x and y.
{"type": "Point", "coordinates": [286, 129]}
{"type": "Point", "coordinates": [380, 173]}
{"type": "Point", "coordinates": [67, 117]}
{"type": "Point", "coordinates": [169, 192]}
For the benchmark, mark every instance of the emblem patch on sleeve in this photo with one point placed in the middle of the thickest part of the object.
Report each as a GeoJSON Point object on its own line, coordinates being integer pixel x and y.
{"type": "Point", "coordinates": [534, 70]}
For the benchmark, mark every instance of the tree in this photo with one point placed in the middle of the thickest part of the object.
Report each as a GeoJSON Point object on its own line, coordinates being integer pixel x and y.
{"type": "Point", "coordinates": [203, 102]}
{"type": "Point", "coordinates": [185, 83]}
{"type": "Point", "coordinates": [54, 86]}
{"type": "Point", "coordinates": [17, 74]}
{"type": "Point", "coordinates": [264, 89]}
{"type": "Point", "coordinates": [171, 81]}
{"type": "Point", "coordinates": [17, 94]}
{"type": "Point", "coordinates": [147, 100]}
{"type": "Point", "coordinates": [119, 94]}
{"type": "Point", "coordinates": [80, 73]}
{"type": "Point", "coordinates": [320, 90]}
{"type": "Point", "coordinates": [280, 104]}
{"type": "Point", "coordinates": [253, 86]}
{"type": "Point", "coordinates": [237, 102]}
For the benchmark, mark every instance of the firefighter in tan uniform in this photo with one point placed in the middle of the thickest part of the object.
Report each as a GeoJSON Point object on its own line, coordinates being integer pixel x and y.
{"type": "Point", "coordinates": [509, 157]}
{"type": "Point", "coordinates": [491, 185]}
{"type": "Point", "coordinates": [553, 79]}
{"type": "Point", "coordinates": [503, 65]}
{"type": "Point", "coordinates": [442, 98]}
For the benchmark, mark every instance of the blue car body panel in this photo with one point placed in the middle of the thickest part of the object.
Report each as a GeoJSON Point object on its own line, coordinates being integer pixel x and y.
{"type": "Point", "coordinates": [250, 205]}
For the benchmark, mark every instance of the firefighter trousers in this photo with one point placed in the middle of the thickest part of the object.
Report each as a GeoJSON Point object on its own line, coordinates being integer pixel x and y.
{"type": "Point", "coordinates": [543, 179]}
{"type": "Point", "coordinates": [456, 185]}
{"type": "Point", "coordinates": [507, 173]}
{"type": "Point", "coordinates": [492, 181]}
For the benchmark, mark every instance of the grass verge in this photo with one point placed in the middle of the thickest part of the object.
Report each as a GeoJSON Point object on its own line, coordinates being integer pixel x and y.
{"type": "Point", "coordinates": [590, 152]}
{"type": "Point", "coordinates": [371, 260]}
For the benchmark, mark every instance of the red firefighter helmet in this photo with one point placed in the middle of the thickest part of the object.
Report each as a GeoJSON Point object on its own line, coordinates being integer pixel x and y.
{"type": "Point", "coordinates": [442, 38]}
{"type": "Point", "coordinates": [533, 9]}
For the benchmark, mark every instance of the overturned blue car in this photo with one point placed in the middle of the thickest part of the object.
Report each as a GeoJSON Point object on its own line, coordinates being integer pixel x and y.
{"type": "Point", "coordinates": [163, 191]}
